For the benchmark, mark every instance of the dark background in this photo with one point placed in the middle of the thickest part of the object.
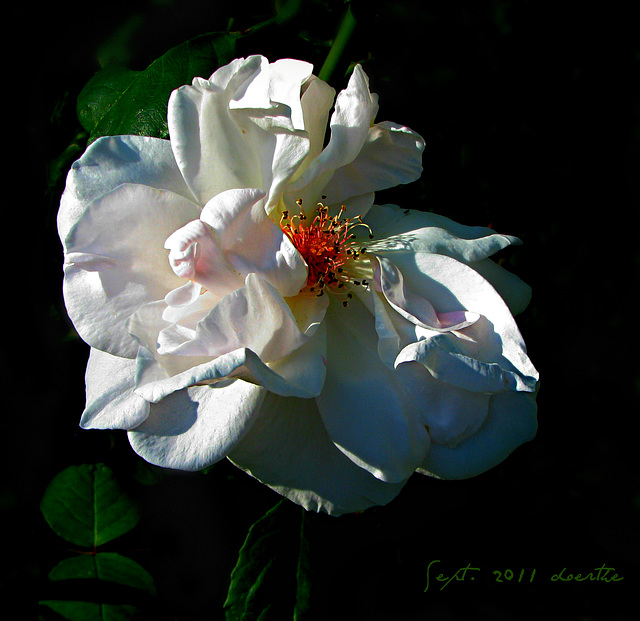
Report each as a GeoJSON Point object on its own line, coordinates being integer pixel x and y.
{"type": "Point", "coordinates": [530, 111]}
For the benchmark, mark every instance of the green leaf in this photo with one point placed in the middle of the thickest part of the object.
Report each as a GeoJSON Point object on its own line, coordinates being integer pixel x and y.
{"type": "Point", "coordinates": [91, 611]}
{"type": "Point", "coordinates": [87, 506]}
{"type": "Point", "coordinates": [303, 574]}
{"type": "Point", "coordinates": [105, 566]}
{"type": "Point", "coordinates": [118, 101]}
{"type": "Point", "coordinates": [270, 581]}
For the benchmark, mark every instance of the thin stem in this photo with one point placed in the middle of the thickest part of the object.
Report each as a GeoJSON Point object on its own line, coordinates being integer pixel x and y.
{"type": "Point", "coordinates": [340, 42]}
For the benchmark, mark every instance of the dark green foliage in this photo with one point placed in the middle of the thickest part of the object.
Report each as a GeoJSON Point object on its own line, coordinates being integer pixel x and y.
{"type": "Point", "coordinates": [270, 581]}
{"type": "Point", "coordinates": [118, 101]}
{"type": "Point", "coordinates": [87, 506]}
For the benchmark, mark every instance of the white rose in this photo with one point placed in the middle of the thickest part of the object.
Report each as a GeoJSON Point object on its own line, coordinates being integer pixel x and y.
{"type": "Point", "coordinates": [244, 298]}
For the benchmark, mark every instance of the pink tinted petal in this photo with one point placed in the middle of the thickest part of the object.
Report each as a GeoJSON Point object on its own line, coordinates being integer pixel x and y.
{"type": "Point", "coordinates": [194, 254]}
{"type": "Point", "coordinates": [252, 243]}
{"type": "Point", "coordinates": [450, 285]}
{"type": "Point", "coordinates": [414, 307]}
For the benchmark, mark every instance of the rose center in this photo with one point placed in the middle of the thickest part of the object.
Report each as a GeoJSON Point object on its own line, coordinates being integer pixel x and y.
{"type": "Point", "coordinates": [334, 258]}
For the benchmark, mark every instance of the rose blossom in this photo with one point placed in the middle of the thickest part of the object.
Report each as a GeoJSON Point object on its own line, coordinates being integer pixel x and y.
{"type": "Point", "coordinates": [244, 298]}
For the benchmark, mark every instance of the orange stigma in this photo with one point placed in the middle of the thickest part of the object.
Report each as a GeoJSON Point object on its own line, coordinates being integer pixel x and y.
{"type": "Point", "coordinates": [327, 245]}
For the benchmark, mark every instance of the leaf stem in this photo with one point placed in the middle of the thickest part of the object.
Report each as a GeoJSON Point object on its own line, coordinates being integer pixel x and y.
{"type": "Point", "coordinates": [340, 42]}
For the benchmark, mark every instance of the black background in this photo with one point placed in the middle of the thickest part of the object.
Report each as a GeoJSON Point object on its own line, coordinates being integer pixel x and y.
{"type": "Point", "coordinates": [530, 111]}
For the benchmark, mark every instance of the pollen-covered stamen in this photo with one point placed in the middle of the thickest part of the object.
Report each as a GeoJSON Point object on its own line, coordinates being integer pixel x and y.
{"type": "Point", "coordinates": [328, 246]}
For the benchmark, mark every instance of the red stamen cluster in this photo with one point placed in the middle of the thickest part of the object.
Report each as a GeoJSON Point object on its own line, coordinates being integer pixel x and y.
{"type": "Point", "coordinates": [327, 247]}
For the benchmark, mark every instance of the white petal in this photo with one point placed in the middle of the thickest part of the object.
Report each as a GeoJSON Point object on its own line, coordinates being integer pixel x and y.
{"type": "Point", "coordinates": [450, 285]}
{"type": "Point", "coordinates": [389, 340]}
{"type": "Point", "coordinates": [212, 152]}
{"type": "Point", "coordinates": [439, 353]}
{"type": "Point", "coordinates": [251, 242]}
{"type": "Point", "coordinates": [185, 295]}
{"type": "Point", "coordinates": [238, 136]}
{"type": "Point", "coordinates": [399, 230]}
{"type": "Point", "coordinates": [390, 156]}
{"type": "Point", "coordinates": [193, 428]}
{"type": "Point", "coordinates": [299, 375]}
{"type": "Point", "coordinates": [316, 102]}
{"type": "Point", "coordinates": [288, 449]}
{"type": "Point", "coordinates": [111, 161]}
{"type": "Point", "coordinates": [278, 83]}
{"type": "Point", "coordinates": [145, 326]}
{"type": "Point", "coordinates": [299, 370]}
{"type": "Point", "coordinates": [196, 255]}
{"type": "Point", "coordinates": [232, 76]}
{"type": "Point", "coordinates": [414, 307]}
{"type": "Point", "coordinates": [115, 262]}
{"type": "Point", "coordinates": [188, 305]}
{"type": "Point", "coordinates": [111, 402]}
{"type": "Point", "coordinates": [354, 112]}
{"type": "Point", "coordinates": [254, 316]}
{"type": "Point", "coordinates": [450, 414]}
{"type": "Point", "coordinates": [511, 422]}
{"type": "Point", "coordinates": [364, 406]}
{"type": "Point", "coordinates": [514, 291]}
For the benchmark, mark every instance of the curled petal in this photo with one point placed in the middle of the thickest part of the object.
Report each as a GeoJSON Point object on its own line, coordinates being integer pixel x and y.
{"type": "Point", "coordinates": [251, 242]}
{"type": "Point", "coordinates": [183, 296]}
{"type": "Point", "coordinates": [316, 102]}
{"type": "Point", "coordinates": [254, 316]}
{"type": "Point", "coordinates": [439, 354]}
{"type": "Point", "coordinates": [175, 356]}
{"type": "Point", "coordinates": [451, 286]}
{"type": "Point", "coordinates": [233, 76]}
{"type": "Point", "coordinates": [414, 307]}
{"type": "Point", "coordinates": [391, 155]}
{"type": "Point", "coordinates": [279, 82]}
{"type": "Point", "coordinates": [194, 254]}
{"type": "Point", "coordinates": [406, 230]}
{"type": "Point", "coordinates": [355, 109]}
{"type": "Point", "coordinates": [301, 374]}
